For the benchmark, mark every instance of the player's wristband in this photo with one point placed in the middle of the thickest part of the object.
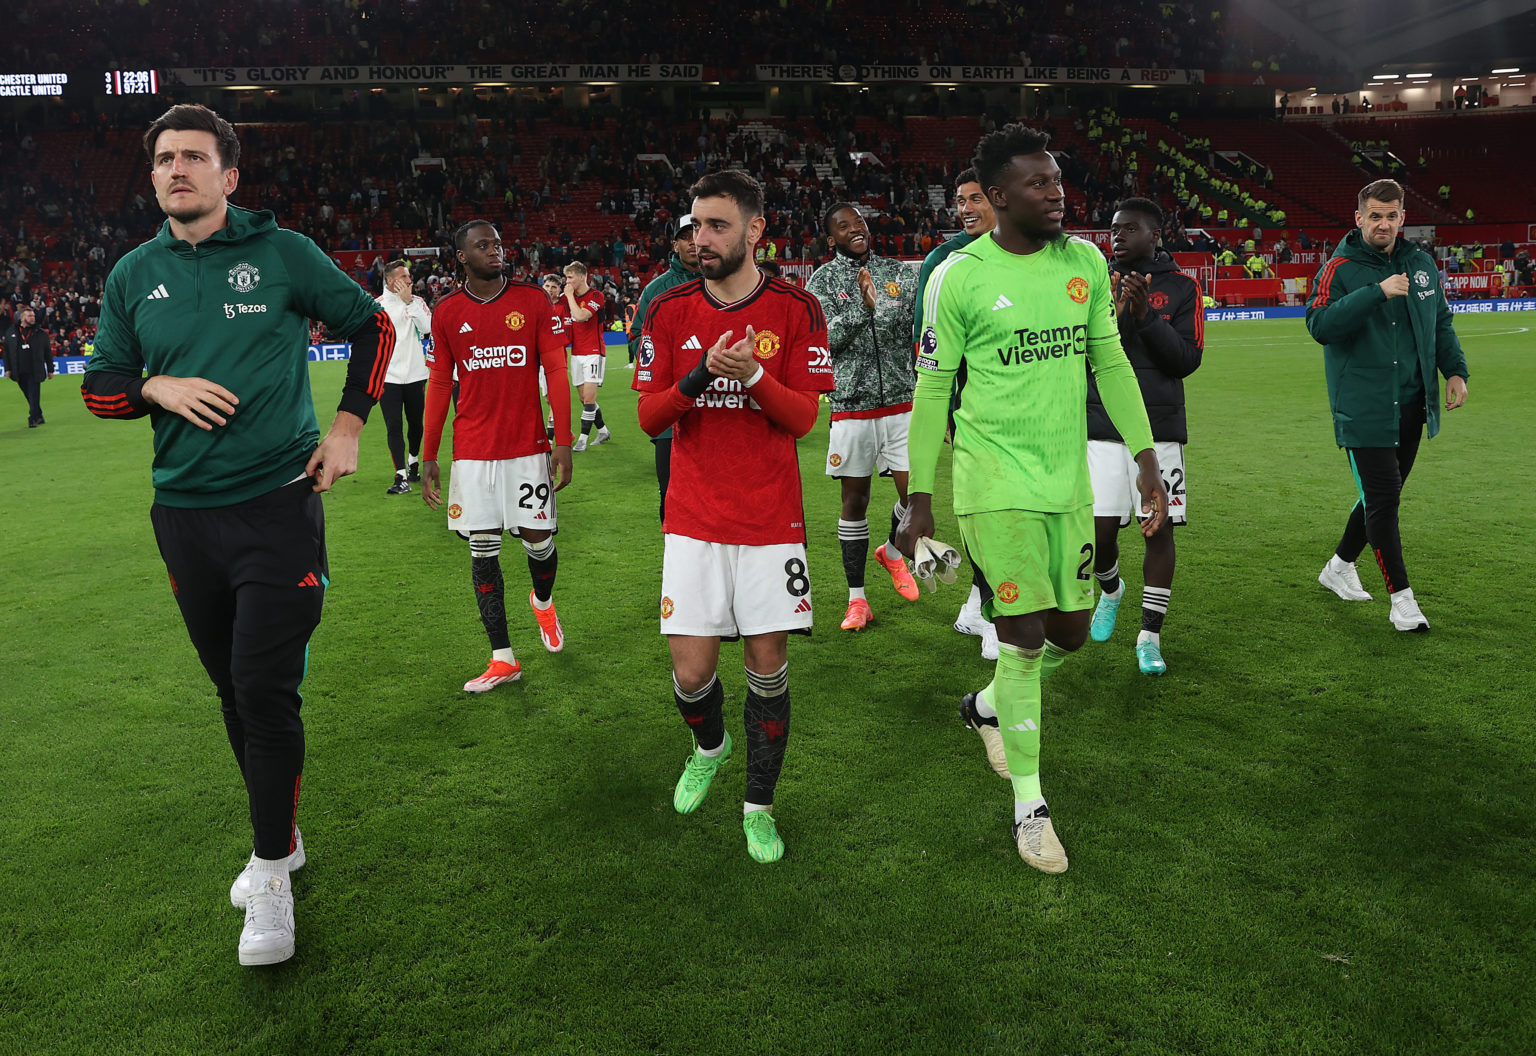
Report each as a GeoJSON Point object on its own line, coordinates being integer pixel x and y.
{"type": "Point", "coordinates": [756, 377]}
{"type": "Point", "coordinates": [693, 383]}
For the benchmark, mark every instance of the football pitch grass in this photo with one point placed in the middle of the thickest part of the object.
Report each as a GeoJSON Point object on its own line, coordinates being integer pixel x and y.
{"type": "Point", "coordinates": [1314, 835]}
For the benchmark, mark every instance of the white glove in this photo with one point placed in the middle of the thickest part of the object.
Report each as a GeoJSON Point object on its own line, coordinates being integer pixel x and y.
{"type": "Point", "coordinates": [935, 562]}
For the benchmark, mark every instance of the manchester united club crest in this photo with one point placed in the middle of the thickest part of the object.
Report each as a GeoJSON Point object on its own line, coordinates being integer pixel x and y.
{"type": "Point", "coordinates": [1158, 300]}
{"type": "Point", "coordinates": [666, 608]}
{"type": "Point", "coordinates": [835, 460]}
{"type": "Point", "coordinates": [1077, 289]}
{"type": "Point", "coordinates": [1008, 593]}
{"type": "Point", "coordinates": [893, 289]}
{"type": "Point", "coordinates": [515, 321]}
{"type": "Point", "coordinates": [767, 344]}
{"type": "Point", "coordinates": [455, 512]}
{"type": "Point", "coordinates": [243, 278]}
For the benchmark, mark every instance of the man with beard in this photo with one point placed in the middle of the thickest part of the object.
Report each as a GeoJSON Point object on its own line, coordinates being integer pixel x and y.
{"type": "Point", "coordinates": [1020, 307]}
{"type": "Point", "coordinates": [29, 361]}
{"type": "Point", "coordinates": [497, 333]}
{"type": "Point", "coordinates": [976, 219]}
{"type": "Point", "coordinates": [734, 363]}
{"type": "Point", "coordinates": [683, 267]}
{"type": "Point", "coordinates": [205, 329]}
{"type": "Point", "coordinates": [1379, 312]}
{"type": "Point", "coordinates": [868, 301]}
{"type": "Point", "coordinates": [1162, 329]}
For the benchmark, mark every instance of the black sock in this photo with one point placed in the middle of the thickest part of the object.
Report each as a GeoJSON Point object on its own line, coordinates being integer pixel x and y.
{"type": "Point", "coordinates": [1154, 606]}
{"type": "Point", "coordinates": [588, 413]}
{"type": "Point", "coordinates": [767, 715]}
{"type": "Point", "coordinates": [597, 419]}
{"type": "Point", "coordinates": [853, 538]}
{"type": "Point", "coordinates": [543, 562]}
{"type": "Point", "coordinates": [702, 712]}
{"type": "Point", "coordinates": [891, 549]}
{"type": "Point", "coordinates": [490, 595]}
{"type": "Point", "coordinates": [1109, 579]}
{"type": "Point", "coordinates": [979, 580]}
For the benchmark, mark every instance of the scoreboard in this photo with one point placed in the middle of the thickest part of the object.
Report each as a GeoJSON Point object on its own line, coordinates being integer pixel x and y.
{"type": "Point", "coordinates": [76, 83]}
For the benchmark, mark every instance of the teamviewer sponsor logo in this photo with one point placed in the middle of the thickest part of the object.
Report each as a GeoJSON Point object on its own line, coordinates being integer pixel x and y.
{"type": "Point", "coordinates": [483, 357]}
{"type": "Point", "coordinates": [1037, 346]}
{"type": "Point", "coordinates": [727, 393]}
{"type": "Point", "coordinates": [232, 310]}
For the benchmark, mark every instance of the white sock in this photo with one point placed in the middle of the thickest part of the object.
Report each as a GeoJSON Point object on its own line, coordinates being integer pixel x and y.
{"type": "Point", "coordinates": [504, 655]}
{"type": "Point", "coordinates": [1022, 809]}
{"type": "Point", "coordinates": [1338, 564]}
{"type": "Point", "coordinates": [983, 704]}
{"type": "Point", "coordinates": [410, 460]}
{"type": "Point", "coordinates": [1150, 636]}
{"type": "Point", "coordinates": [541, 605]}
{"type": "Point", "coordinates": [1406, 593]}
{"type": "Point", "coordinates": [710, 753]}
{"type": "Point", "coordinates": [747, 808]}
{"type": "Point", "coordinates": [856, 592]}
{"type": "Point", "coordinates": [973, 600]}
{"type": "Point", "coordinates": [270, 866]}
{"type": "Point", "coordinates": [1116, 594]}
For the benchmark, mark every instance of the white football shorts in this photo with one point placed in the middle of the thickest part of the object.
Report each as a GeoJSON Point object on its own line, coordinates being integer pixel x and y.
{"type": "Point", "coordinates": [509, 493]}
{"type": "Point", "coordinates": [862, 447]}
{"type": "Point", "coordinates": [1113, 471]}
{"type": "Point", "coordinates": [728, 591]}
{"type": "Point", "coordinates": [588, 369]}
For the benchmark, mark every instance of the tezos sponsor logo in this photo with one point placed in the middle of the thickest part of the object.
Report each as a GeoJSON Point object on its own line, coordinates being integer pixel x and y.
{"type": "Point", "coordinates": [232, 310]}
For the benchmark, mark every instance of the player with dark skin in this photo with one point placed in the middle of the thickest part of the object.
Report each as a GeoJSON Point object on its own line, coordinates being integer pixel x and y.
{"type": "Point", "coordinates": [1132, 238]}
{"type": "Point", "coordinates": [482, 260]}
{"type": "Point", "coordinates": [850, 234]}
{"type": "Point", "coordinates": [1029, 203]}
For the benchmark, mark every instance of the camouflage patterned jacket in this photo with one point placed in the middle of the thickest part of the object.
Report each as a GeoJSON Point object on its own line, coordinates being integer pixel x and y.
{"type": "Point", "coordinates": [872, 359]}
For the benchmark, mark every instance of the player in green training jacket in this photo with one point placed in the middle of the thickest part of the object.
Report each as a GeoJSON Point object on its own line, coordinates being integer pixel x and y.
{"type": "Point", "coordinates": [976, 220]}
{"type": "Point", "coordinates": [205, 329]}
{"type": "Point", "coordinates": [1020, 308]}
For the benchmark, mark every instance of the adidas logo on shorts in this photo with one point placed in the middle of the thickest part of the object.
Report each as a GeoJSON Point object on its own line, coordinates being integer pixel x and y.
{"type": "Point", "coordinates": [804, 606]}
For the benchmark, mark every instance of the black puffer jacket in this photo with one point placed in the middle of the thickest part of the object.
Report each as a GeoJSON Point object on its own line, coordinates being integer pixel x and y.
{"type": "Point", "coordinates": [1164, 348]}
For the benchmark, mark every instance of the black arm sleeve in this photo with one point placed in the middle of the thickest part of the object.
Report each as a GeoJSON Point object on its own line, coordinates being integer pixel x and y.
{"type": "Point", "coordinates": [372, 348]}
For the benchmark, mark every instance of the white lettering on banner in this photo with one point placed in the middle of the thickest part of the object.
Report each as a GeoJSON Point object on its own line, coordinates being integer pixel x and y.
{"type": "Point", "coordinates": [942, 72]}
{"type": "Point", "coordinates": [428, 73]}
{"type": "Point", "coordinates": [32, 84]}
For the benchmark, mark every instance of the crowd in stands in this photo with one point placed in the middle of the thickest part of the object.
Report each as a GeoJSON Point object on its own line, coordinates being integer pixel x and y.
{"type": "Point", "coordinates": [79, 34]}
{"type": "Point", "coordinates": [384, 185]}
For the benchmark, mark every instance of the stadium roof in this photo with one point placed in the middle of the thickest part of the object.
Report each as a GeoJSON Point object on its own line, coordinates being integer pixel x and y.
{"type": "Point", "coordinates": [1475, 34]}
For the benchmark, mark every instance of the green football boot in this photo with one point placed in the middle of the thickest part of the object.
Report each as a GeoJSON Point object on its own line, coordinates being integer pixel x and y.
{"type": "Point", "coordinates": [693, 786]}
{"type": "Point", "coordinates": [763, 842]}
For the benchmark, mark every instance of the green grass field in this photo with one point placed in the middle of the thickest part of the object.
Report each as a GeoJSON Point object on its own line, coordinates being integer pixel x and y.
{"type": "Point", "coordinates": [1315, 835]}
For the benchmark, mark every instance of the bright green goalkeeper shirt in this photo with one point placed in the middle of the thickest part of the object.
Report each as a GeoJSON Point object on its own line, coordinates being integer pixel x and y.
{"type": "Point", "coordinates": [1023, 324]}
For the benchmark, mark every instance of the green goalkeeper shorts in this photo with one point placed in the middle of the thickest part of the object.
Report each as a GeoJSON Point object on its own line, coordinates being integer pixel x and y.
{"type": "Point", "coordinates": [1033, 561]}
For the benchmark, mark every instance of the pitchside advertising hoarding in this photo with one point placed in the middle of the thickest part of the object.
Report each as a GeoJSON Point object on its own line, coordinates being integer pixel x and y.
{"type": "Point", "coordinates": [341, 351]}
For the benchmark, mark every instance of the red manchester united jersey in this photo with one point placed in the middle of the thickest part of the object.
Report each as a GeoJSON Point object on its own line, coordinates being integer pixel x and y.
{"type": "Point", "coordinates": [587, 337]}
{"type": "Point", "coordinates": [497, 346]}
{"type": "Point", "coordinates": [735, 476]}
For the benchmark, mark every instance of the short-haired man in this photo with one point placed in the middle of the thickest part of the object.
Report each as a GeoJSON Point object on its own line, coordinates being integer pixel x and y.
{"type": "Point", "coordinates": [868, 301]}
{"type": "Point", "coordinates": [405, 384]}
{"type": "Point", "coordinates": [29, 361]}
{"type": "Point", "coordinates": [589, 359]}
{"type": "Point", "coordinates": [1162, 329]}
{"type": "Point", "coordinates": [976, 219]}
{"type": "Point", "coordinates": [216, 309]}
{"type": "Point", "coordinates": [682, 267]}
{"type": "Point", "coordinates": [735, 363]}
{"type": "Point", "coordinates": [1381, 316]}
{"type": "Point", "coordinates": [495, 334]}
{"type": "Point", "coordinates": [1022, 307]}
